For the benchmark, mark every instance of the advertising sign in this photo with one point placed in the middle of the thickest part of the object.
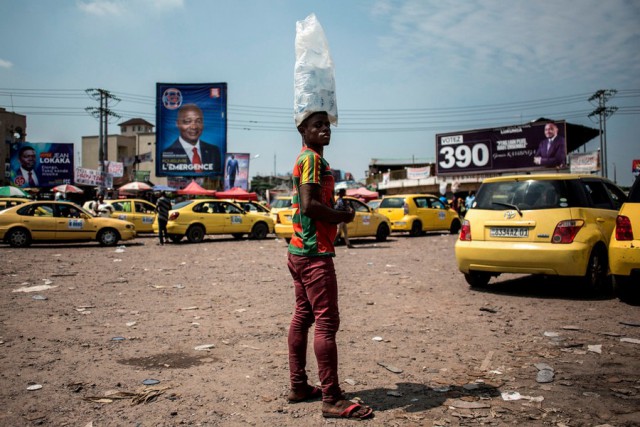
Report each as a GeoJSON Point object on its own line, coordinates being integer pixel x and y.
{"type": "Point", "coordinates": [41, 164]}
{"type": "Point", "coordinates": [236, 171]}
{"type": "Point", "coordinates": [191, 123]}
{"type": "Point", "coordinates": [418, 173]}
{"type": "Point", "coordinates": [584, 162]}
{"type": "Point", "coordinates": [532, 146]}
{"type": "Point", "coordinates": [635, 166]}
{"type": "Point", "coordinates": [93, 177]}
{"type": "Point", "coordinates": [116, 169]}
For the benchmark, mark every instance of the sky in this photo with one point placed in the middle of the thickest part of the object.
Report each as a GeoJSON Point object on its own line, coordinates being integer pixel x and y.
{"type": "Point", "coordinates": [405, 69]}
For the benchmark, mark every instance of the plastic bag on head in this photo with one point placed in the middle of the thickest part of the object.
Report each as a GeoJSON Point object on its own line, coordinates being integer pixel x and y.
{"type": "Point", "coordinates": [314, 76]}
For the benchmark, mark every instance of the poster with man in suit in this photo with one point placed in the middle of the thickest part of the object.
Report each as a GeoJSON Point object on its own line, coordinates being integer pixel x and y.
{"type": "Point", "coordinates": [191, 129]}
{"type": "Point", "coordinates": [552, 150]}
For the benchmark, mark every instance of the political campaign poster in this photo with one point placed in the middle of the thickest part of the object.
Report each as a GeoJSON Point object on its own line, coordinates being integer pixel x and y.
{"type": "Point", "coordinates": [191, 123]}
{"type": "Point", "coordinates": [236, 171]}
{"type": "Point", "coordinates": [534, 146]}
{"type": "Point", "coordinates": [42, 164]}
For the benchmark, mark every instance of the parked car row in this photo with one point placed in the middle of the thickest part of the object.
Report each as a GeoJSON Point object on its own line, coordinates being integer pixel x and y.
{"type": "Point", "coordinates": [555, 225]}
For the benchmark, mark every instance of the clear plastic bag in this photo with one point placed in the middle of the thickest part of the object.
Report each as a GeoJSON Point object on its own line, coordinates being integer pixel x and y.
{"type": "Point", "coordinates": [314, 76]}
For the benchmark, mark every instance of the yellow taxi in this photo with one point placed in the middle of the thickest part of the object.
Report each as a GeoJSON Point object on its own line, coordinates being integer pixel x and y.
{"type": "Point", "coordinates": [281, 203]}
{"type": "Point", "coordinates": [417, 213]}
{"type": "Point", "coordinates": [140, 212]}
{"type": "Point", "coordinates": [7, 202]}
{"type": "Point", "coordinates": [366, 223]}
{"type": "Point", "coordinates": [199, 217]}
{"type": "Point", "coordinates": [59, 222]}
{"type": "Point", "coordinates": [551, 224]}
{"type": "Point", "coordinates": [624, 247]}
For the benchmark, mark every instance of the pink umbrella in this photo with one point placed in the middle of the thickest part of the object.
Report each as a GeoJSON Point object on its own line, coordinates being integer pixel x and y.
{"type": "Point", "coordinates": [68, 188]}
{"type": "Point", "coordinates": [136, 186]}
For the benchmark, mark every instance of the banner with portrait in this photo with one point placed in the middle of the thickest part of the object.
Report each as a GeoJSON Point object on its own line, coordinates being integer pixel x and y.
{"type": "Point", "coordinates": [191, 124]}
{"type": "Point", "coordinates": [236, 171]}
{"type": "Point", "coordinates": [43, 164]}
{"type": "Point", "coordinates": [532, 146]}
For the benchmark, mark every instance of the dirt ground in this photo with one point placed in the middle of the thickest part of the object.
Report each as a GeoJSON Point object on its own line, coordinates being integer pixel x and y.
{"type": "Point", "coordinates": [416, 343]}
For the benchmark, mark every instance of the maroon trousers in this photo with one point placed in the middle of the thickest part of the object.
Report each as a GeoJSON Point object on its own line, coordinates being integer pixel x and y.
{"type": "Point", "coordinates": [316, 291]}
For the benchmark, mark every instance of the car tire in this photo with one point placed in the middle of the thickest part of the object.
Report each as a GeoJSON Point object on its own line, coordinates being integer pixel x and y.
{"type": "Point", "coordinates": [259, 231]}
{"type": "Point", "coordinates": [455, 227]}
{"type": "Point", "coordinates": [19, 238]}
{"type": "Point", "coordinates": [108, 237]}
{"type": "Point", "coordinates": [195, 234]}
{"type": "Point", "coordinates": [596, 278]}
{"type": "Point", "coordinates": [416, 229]}
{"type": "Point", "coordinates": [382, 233]}
{"type": "Point", "coordinates": [238, 236]}
{"type": "Point", "coordinates": [477, 279]}
{"type": "Point", "coordinates": [624, 289]}
{"type": "Point", "coordinates": [175, 238]}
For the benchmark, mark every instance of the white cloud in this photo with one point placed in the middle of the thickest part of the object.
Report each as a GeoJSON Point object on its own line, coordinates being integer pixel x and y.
{"type": "Point", "coordinates": [102, 7]}
{"type": "Point", "coordinates": [5, 64]}
{"type": "Point", "coordinates": [120, 7]}
{"type": "Point", "coordinates": [570, 38]}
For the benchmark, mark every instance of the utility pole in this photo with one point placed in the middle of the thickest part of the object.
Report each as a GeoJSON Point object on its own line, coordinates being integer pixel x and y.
{"type": "Point", "coordinates": [102, 114]}
{"type": "Point", "coordinates": [602, 112]}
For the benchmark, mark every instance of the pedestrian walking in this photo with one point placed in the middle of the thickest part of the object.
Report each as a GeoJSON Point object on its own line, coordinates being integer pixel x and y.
{"type": "Point", "coordinates": [163, 206]}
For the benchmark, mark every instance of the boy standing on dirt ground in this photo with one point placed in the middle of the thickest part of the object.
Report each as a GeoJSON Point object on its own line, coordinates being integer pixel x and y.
{"type": "Point", "coordinates": [163, 207]}
{"type": "Point", "coordinates": [341, 205]}
{"type": "Point", "coordinates": [310, 262]}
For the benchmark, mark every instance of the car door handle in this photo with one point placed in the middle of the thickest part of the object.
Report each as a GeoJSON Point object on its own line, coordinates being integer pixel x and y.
{"type": "Point", "coordinates": [600, 220]}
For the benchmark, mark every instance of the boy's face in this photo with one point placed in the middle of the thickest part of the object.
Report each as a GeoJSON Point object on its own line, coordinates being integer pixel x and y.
{"type": "Point", "coordinates": [316, 130]}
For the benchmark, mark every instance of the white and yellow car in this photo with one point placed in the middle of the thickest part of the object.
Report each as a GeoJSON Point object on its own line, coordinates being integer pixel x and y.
{"type": "Point", "coordinates": [51, 221]}
{"type": "Point", "coordinates": [200, 217]}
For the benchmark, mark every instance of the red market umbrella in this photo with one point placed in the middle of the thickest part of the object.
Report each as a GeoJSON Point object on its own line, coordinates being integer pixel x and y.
{"type": "Point", "coordinates": [195, 189]}
{"type": "Point", "coordinates": [236, 193]}
{"type": "Point", "coordinates": [68, 188]}
{"type": "Point", "coordinates": [136, 186]}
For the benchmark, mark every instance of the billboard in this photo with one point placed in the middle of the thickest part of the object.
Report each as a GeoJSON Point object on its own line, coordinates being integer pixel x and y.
{"type": "Point", "coordinates": [43, 164]}
{"type": "Point", "coordinates": [534, 146]}
{"type": "Point", "coordinates": [191, 124]}
{"type": "Point", "coordinates": [236, 171]}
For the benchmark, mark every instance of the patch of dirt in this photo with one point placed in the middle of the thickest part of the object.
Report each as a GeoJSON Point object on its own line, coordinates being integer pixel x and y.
{"type": "Point", "coordinates": [446, 354]}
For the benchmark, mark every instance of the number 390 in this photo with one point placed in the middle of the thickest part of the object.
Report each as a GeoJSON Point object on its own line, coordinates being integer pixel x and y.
{"type": "Point", "coordinates": [463, 156]}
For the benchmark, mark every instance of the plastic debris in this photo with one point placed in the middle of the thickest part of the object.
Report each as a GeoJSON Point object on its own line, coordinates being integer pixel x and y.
{"type": "Point", "coordinates": [545, 376]}
{"type": "Point", "coordinates": [390, 368]}
{"type": "Point", "coordinates": [39, 297]}
{"type": "Point", "coordinates": [551, 334]}
{"type": "Point", "coordinates": [631, 340]}
{"type": "Point", "coordinates": [394, 393]}
{"type": "Point", "coordinates": [377, 339]}
{"type": "Point", "coordinates": [33, 387]}
{"type": "Point", "coordinates": [514, 395]}
{"type": "Point", "coordinates": [150, 381]}
{"type": "Point", "coordinates": [131, 323]}
{"type": "Point", "coordinates": [37, 288]}
{"type": "Point", "coordinates": [204, 347]}
{"type": "Point", "coordinates": [596, 348]}
{"type": "Point", "coordinates": [118, 339]}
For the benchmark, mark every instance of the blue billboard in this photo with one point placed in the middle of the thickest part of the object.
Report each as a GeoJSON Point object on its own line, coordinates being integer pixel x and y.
{"type": "Point", "coordinates": [191, 124]}
{"type": "Point", "coordinates": [43, 164]}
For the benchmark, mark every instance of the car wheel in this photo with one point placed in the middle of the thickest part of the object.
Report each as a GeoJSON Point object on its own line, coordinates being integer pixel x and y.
{"type": "Point", "coordinates": [624, 289]}
{"type": "Point", "coordinates": [382, 233]}
{"type": "Point", "coordinates": [416, 229]}
{"type": "Point", "coordinates": [455, 227]}
{"type": "Point", "coordinates": [175, 238]}
{"type": "Point", "coordinates": [195, 234]}
{"type": "Point", "coordinates": [108, 237]}
{"type": "Point", "coordinates": [596, 279]}
{"type": "Point", "coordinates": [19, 238]}
{"type": "Point", "coordinates": [259, 231]}
{"type": "Point", "coordinates": [477, 279]}
{"type": "Point", "coordinates": [238, 236]}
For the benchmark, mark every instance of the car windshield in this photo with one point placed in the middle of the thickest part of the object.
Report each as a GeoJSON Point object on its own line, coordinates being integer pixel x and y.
{"type": "Point", "coordinates": [529, 195]}
{"type": "Point", "coordinates": [281, 203]}
{"type": "Point", "coordinates": [392, 202]}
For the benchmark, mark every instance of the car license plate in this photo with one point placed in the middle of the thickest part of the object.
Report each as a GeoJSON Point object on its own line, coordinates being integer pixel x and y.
{"type": "Point", "coordinates": [509, 232]}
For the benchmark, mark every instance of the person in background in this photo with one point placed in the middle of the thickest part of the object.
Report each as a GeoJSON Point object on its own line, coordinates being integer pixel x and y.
{"type": "Point", "coordinates": [341, 205]}
{"type": "Point", "coordinates": [310, 262]}
{"type": "Point", "coordinates": [163, 206]}
{"type": "Point", "coordinates": [471, 198]}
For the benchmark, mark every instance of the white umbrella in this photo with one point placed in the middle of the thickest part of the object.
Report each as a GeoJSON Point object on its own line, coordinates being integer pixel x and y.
{"type": "Point", "coordinates": [68, 188]}
{"type": "Point", "coordinates": [136, 186]}
{"type": "Point", "coordinates": [11, 191]}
